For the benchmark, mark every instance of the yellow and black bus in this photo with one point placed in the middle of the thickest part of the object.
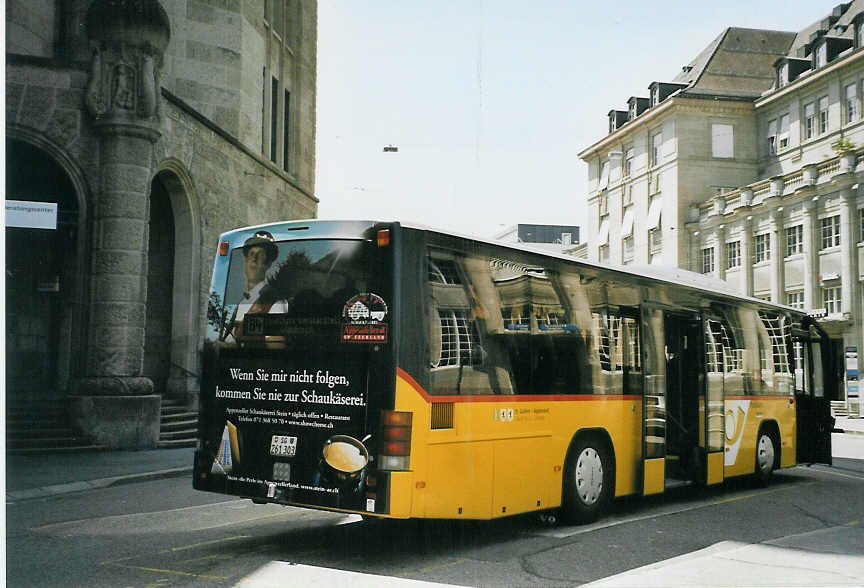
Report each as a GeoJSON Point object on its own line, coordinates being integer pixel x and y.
{"type": "Point", "coordinates": [399, 371]}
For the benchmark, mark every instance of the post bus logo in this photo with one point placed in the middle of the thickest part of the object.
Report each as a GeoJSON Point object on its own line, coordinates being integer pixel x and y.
{"type": "Point", "coordinates": [364, 319]}
{"type": "Point", "coordinates": [736, 417]}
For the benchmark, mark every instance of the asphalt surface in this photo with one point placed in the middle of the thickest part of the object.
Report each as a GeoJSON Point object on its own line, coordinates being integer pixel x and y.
{"type": "Point", "coordinates": [819, 558]}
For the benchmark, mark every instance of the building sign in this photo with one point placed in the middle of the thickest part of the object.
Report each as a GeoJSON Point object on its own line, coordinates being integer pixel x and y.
{"type": "Point", "coordinates": [852, 372]}
{"type": "Point", "coordinates": [31, 215]}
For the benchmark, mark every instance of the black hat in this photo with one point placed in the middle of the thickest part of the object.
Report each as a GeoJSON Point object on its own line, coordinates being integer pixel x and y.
{"type": "Point", "coordinates": [265, 240]}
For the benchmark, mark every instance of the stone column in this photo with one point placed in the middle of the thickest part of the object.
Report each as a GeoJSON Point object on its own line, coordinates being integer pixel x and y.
{"type": "Point", "coordinates": [849, 250]}
{"type": "Point", "coordinates": [720, 252]}
{"type": "Point", "coordinates": [114, 402]}
{"type": "Point", "coordinates": [811, 257]}
{"type": "Point", "coordinates": [850, 292]}
{"type": "Point", "coordinates": [778, 278]}
{"type": "Point", "coordinates": [747, 256]}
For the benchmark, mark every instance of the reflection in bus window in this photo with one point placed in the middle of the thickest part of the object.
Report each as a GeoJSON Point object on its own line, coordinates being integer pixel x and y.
{"type": "Point", "coordinates": [776, 377]}
{"type": "Point", "coordinates": [502, 327]}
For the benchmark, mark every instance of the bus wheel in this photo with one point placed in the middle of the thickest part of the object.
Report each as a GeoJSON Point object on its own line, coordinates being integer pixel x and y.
{"type": "Point", "coordinates": [765, 452]}
{"type": "Point", "coordinates": [587, 480]}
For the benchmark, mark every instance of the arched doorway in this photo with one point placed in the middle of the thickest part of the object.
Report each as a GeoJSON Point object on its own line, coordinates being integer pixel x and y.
{"type": "Point", "coordinates": [41, 274]}
{"type": "Point", "coordinates": [173, 285]}
{"type": "Point", "coordinates": [160, 287]}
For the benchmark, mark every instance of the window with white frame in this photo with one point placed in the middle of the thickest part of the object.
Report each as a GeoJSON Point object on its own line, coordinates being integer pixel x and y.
{"type": "Point", "coordinates": [851, 93]}
{"type": "Point", "coordinates": [795, 299]}
{"type": "Point", "coordinates": [603, 205]}
{"type": "Point", "coordinates": [733, 254]}
{"type": "Point", "coordinates": [722, 140]}
{"type": "Point", "coordinates": [627, 195]}
{"type": "Point", "coordinates": [604, 254]}
{"type": "Point", "coordinates": [707, 260]}
{"type": "Point", "coordinates": [822, 55]}
{"type": "Point", "coordinates": [831, 300]}
{"type": "Point", "coordinates": [823, 114]}
{"type": "Point", "coordinates": [809, 120]}
{"type": "Point", "coordinates": [762, 247]}
{"type": "Point", "coordinates": [783, 136]}
{"type": "Point", "coordinates": [830, 231]}
{"type": "Point", "coordinates": [860, 32]}
{"type": "Point", "coordinates": [604, 175]}
{"type": "Point", "coordinates": [861, 225]}
{"type": "Point", "coordinates": [655, 240]}
{"type": "Point", "coordinates": [627, 250]}
{"type": "Point", "coordinates": [782, 75]}
{"type": "Point", "coordinates": [772, 136]}
{"type": "Point", "coordinates": [794, 240]}
{"type": "Point", "coordinates": [628, 162]}
{"type": "Point", "coordinates": [656, 148]}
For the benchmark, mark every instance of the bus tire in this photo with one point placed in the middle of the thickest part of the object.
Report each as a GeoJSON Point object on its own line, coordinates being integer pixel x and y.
{"type": "Point", "coordinates": [766, 457]}
{"type": "Point", "coordinates": [588, 480]}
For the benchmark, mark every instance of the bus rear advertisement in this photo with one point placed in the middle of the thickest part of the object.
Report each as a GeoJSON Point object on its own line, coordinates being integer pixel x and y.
{"type": "Point", "coordinates": [399, 371]}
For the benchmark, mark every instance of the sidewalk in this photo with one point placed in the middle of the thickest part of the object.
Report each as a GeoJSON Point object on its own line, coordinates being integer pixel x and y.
{"type": "Point", "coordinates": [40, 475]}
{"type": "Point", "coordinates": [851, 426]}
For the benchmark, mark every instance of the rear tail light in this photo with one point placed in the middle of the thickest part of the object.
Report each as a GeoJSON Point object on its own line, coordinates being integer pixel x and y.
{"type": "Point", "coordinates": [395, 440]}
{"type": "Point", "coordinates": [383, 237]}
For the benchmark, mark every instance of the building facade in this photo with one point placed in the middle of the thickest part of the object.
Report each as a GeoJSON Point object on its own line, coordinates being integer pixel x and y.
{"type": "Point", "coordinates": [746, 167]}
{"type": "Point", "coordinates": [153, 127]}
{"type": "Point", "coordinates": [557, 238]}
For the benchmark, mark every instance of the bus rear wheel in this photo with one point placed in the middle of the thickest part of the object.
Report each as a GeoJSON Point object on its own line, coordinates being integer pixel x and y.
{"type": "Point", "coordinates": [765, 456]}
{"type": "Point", "coordinates": [587, 480]}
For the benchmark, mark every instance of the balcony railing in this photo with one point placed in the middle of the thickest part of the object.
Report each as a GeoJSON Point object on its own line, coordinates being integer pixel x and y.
{"type": "Point", "coordinates": [756, 193]}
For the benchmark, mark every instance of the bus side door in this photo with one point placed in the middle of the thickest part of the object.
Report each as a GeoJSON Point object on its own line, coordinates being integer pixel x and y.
{"type": "Point", "coordinates": [815, 386]}
{"type": "Point", "coordinates": [713, 407]}
{"type": "Point", "coordinates": [653, 401]}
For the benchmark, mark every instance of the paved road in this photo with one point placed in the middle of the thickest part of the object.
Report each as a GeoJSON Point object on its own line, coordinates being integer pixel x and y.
{"type": "Point", "coordinates": [162, 533]}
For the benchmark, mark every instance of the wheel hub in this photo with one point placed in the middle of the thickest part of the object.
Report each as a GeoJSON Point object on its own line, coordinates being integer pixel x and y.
{"type": "Point", "coordinates": [589, 476]}
{"type": "Point", "coordinates": [765, 454]}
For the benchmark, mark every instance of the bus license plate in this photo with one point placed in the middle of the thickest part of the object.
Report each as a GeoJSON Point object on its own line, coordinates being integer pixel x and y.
{"type": "Point", "coordinates": [283, 445]}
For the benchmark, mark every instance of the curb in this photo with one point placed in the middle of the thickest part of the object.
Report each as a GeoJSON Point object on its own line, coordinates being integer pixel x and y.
{"type": "Point", "coordinates": [847, 431]}
{"type": "Point", "coordinates": [13, 496]}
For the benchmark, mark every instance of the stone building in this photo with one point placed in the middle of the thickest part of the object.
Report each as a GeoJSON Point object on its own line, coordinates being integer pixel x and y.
{"type": "Point", "coordinates": [153, 127]}
{"type": "Point", "coordinates": [746, 166]}
{"type": "Point", "coordinates": [555, 238]}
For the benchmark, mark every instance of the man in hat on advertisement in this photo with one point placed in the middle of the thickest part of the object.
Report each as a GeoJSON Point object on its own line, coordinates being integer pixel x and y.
{"type": "Point", "coordinates": [259, 251]}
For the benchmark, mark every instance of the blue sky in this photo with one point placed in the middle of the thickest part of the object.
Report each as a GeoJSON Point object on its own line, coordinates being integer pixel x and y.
{"type": "Point", "coordinates": [489, 102]}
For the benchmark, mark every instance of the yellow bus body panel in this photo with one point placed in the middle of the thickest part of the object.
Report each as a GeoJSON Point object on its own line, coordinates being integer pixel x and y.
{"type": "Point", "coordinates": [743, 417]}
{"type": "Point", "coordinates": [715, 469]}
{"type": "Point", "coordinates": [505, 455]}
{"type": "Point", "coordinates": [655, 476]}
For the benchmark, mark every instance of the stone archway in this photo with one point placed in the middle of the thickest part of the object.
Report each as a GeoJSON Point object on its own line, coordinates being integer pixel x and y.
{"type": "Point", "coordinates": [173, 184]}
{"type": "Point", "coordinates": [160, 288]}
{"type": "Point", "coordinates": [43, 282]}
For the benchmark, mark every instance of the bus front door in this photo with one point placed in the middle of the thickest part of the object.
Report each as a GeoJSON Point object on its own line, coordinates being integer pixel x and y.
{"type": "Point", "coordinates": [815, 386]}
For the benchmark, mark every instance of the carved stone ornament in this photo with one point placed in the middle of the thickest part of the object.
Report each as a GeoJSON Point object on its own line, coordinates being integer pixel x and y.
{"type": "Point", "coordinates": [129, 37]}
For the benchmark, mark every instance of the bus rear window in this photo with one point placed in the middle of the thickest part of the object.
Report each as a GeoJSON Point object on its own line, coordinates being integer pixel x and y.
{"type": "Point", "coordinates": [290, 293]}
